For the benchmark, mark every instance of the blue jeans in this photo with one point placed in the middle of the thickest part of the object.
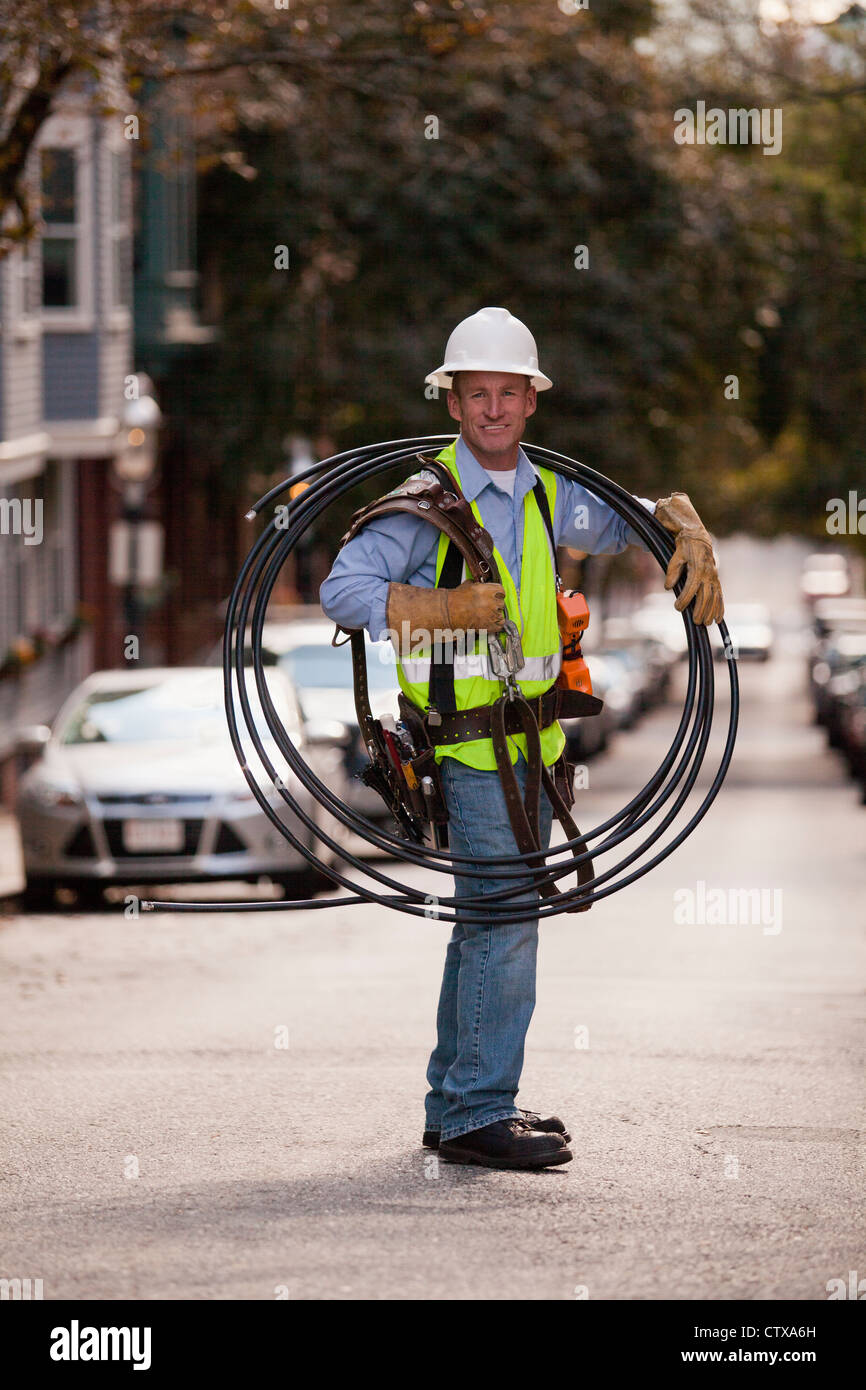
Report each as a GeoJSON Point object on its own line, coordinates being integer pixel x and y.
{"type": "Point", "coordinates": [488, 987]}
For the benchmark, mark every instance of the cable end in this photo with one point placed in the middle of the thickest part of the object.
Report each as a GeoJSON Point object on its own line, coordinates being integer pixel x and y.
{"type": "Point", "coordinates": [250, 515]}
{"type": "Point", "coordinates": [146, 906]}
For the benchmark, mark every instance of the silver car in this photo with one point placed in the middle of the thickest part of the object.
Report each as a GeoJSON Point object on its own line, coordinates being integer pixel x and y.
{"type": "Point", "coordinates": [751, 632]}
{"type": "Point", "coordinates": [138, 782]}
{"type": "Point", "coordinates": [322, 676]}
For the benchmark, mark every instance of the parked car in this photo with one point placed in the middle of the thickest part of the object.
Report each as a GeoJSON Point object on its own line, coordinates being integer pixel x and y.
{"type": "Point", "coordinates": [586, 738]}
{"type": "Point", "coordinates": [835, 673]}
{"type": "Point", "coordinates": [651, 656]}
{"type": "Point", "coordinates": [621, 669]}
{"type": "Point", "coordinates": [657, 617]}
{"type": "Point", "coordinates": [837, 678]}
{"type": "Point", "coordinates": [839, 615]}
{"type": "Point", "coordinates": [322, 675]}
{"type": "Point", "coordinates": [750, 627]}
{"type": "Point", "coordinates": [825, 575]}
{"type": "Point", "coordinates": [852, 723]}
{"type": "Point", "coordinates": [839, 627]}
{"type": "Point", "coordinates": [844, 695]}
{"type": "Point", "coordinates": [138, 782]}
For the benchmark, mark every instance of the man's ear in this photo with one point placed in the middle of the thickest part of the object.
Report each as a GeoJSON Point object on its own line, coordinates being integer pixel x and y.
{"type": "Point", "coordinates": [454, 405]}
{"type": "Point", "coordinates": [531, 401]}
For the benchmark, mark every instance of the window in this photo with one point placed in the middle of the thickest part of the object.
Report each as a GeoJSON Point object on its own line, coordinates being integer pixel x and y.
{"type": "Point", "coordinates": [38, 577]}
{"type": "Point", "coordinates": [60, 212]}
{"type": "Point", "coordinates": [64, 173]}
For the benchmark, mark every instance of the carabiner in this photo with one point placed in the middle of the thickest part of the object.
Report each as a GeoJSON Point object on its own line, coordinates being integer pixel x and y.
{"type": "Point", "coordinates": [507, 660]}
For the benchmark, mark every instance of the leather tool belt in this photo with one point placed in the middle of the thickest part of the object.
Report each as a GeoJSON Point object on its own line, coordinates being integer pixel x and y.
{"type": "Point", "coordinates": [403, 766]}
{"type": "Point", "coordinates": [547, 708]}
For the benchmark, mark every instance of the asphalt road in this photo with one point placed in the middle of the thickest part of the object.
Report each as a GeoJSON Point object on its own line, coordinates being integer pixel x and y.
{"type": "Point", "coordinates": [159, 1144]}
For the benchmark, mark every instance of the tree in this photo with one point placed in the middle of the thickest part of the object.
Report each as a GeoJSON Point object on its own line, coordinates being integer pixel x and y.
{"type": "Point", "coordinates": [482, 187]}
{"type": "Point", "coordinates": [229, 50]}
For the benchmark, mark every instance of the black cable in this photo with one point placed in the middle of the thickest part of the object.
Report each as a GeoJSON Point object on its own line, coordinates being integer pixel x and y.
{"type": "Point", "coordinates": [330, 479]}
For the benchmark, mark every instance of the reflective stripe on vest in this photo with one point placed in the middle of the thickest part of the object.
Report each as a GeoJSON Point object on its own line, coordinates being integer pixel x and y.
{"type": "Point", "coordinates": [533, 610]}
{"type": "Point", "coordinates": [475, 664]}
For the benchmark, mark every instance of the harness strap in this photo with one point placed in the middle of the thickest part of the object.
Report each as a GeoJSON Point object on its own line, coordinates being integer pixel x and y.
{"type": "Point", "coordinates": [440, 502]}
{"type": "Point", "coordinates": [440, 689]}
{"type": "Point", "coordinates": [540, 492]}
{"type": "Point", "coordinates": [444, 507]}
{"type": "Point", "coordinates": [524, 810]}
{"type": "Point", "coordinates": [361, 688]}
{"type": "Point", "coordinates": [585, 871]}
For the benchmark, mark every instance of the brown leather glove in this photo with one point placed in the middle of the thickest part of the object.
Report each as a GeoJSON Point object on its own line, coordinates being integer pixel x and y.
{"type": "Point", "coordinates": [470, 605]}
{"type": "Point", "coordinates": [479, 606]}
{"type": "Point", "coordinates": [694, 553]}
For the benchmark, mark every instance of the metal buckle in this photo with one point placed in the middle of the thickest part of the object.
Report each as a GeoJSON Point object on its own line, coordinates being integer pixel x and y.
{"type": "Point", "coordinates": [507, 660]}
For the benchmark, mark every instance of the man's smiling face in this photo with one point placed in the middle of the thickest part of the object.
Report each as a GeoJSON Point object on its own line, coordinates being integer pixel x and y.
{"type": "Point", "coordinates": [492, 408]}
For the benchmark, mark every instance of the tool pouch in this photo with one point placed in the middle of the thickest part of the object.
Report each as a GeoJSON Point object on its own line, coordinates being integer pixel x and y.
{"type": "Point", "coordinates": [430, 808]}
{"type": "Point", "coordinates": [427, 808]}
{"type": "Point", "coordinates": [414, 721]}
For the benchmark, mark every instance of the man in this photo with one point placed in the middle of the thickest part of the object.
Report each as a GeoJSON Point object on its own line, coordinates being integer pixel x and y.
{"type": "Point", "coordinates": [385, 579]}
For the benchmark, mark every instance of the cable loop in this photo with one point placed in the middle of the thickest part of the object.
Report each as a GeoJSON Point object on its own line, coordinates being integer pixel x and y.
{"type": "Point", "coordinates": [672, 782]}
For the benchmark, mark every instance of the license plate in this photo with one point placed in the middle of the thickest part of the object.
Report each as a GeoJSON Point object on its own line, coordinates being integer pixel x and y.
{"type": "Point", "coordinates": [145, 836]}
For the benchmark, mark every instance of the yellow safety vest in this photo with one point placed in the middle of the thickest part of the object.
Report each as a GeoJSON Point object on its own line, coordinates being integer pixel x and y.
{"type": "Point", "coordinates": [535, 614]}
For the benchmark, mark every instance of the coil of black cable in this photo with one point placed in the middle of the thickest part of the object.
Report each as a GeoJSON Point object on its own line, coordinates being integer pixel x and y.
{"type": "Point", "coordinates": [672, 781]}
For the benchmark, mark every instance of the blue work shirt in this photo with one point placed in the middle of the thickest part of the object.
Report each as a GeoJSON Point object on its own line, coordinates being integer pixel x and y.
{"type": "Point", "coordinates": [402, 549]}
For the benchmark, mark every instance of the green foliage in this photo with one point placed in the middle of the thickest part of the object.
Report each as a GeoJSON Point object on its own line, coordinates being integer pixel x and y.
{"type": "Point", "coordinates": [394, 237]}
{"type": "Point", "coordinates": [555, 131]}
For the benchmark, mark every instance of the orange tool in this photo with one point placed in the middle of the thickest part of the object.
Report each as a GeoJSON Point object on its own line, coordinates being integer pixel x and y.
{"type": "Point", "coordinates": [572, 613]}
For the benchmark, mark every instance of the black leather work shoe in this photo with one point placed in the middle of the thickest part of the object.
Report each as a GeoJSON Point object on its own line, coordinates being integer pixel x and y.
{"type": "Point", "coordinates": [552, 1125]}
{"type": "Point", "coordinates": [507, 1144]}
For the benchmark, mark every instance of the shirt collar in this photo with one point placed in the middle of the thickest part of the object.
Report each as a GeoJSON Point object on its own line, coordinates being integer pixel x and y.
{"type": "Point", "coordinates": [474, 479]}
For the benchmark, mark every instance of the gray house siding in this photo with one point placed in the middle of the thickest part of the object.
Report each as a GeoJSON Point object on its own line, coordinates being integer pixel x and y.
{"type": "Point", "coordinates": [115, 364]}
{"type": "Point", "coordinates": [61, 396]}
{"type": "Point", "coordinates": [20, 355]}
{"type": "Point", "coordinates": [84, 371]}
{"type": "Point", "coordinates": [71, 373]}
{"type": "Point", "coordinates": [21, 387]}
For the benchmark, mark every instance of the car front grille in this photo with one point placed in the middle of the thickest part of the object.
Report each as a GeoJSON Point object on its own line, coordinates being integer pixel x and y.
{"type": "Point", "coordinates": [152, 798]}
{"type": "Point", "coordinates": [114, 835]}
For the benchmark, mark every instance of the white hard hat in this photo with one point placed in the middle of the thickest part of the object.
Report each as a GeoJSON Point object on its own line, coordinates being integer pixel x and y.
{"type": "Point", "coordinates": [490, 341]}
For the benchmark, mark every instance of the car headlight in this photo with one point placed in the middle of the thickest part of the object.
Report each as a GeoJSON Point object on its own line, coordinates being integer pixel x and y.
{"type": "Point", "coordinates": [46, 794]}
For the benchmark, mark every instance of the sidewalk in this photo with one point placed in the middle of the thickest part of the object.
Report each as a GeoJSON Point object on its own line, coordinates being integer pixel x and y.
{"type": "Point", "coordinates": [11, 866]}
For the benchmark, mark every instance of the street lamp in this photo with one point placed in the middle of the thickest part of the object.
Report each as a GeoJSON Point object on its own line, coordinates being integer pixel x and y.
{"type": "Point", "coordinates": [136, 458]}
